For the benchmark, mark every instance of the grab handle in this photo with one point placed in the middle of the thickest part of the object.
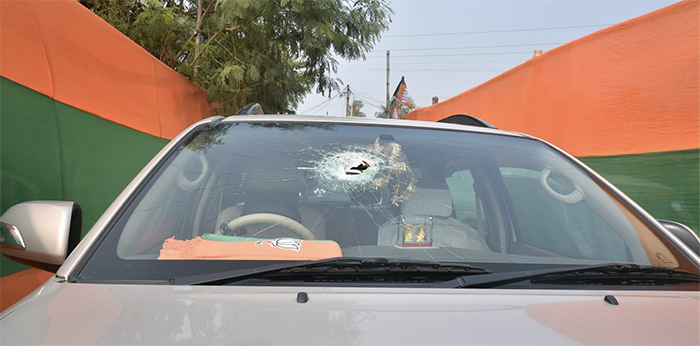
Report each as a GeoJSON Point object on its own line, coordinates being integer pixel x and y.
{"type": "Point", "coordinates": [572, 198]}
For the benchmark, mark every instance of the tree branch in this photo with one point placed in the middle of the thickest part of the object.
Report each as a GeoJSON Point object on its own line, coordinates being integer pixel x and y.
{"type": "Point", "coordinates": [196, 32]}
{"type": "Point", "coordinates": [199, 54]}
{"type": "Point", "coordinates": [184, 45]}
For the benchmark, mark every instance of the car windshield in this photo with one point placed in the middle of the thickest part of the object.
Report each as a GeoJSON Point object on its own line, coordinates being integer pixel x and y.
{"type": "Point", "coordinates": [237, 194]}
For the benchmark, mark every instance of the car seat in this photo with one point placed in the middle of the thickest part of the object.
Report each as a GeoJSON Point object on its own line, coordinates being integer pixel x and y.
{"type": "Point", "coordinates": [430, 205]}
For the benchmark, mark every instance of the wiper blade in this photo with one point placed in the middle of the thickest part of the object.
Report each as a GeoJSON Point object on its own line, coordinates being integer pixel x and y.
{"type": "Point", "coordinates": [362, 268]}
{"type": "Point", "coordinates": [606, 273]}
{"type": "Point", "coordinates": [622, 275]}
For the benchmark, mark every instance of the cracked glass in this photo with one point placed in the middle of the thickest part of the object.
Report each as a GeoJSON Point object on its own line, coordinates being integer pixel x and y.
{"type": "Point", "coordinates": [281, 191]}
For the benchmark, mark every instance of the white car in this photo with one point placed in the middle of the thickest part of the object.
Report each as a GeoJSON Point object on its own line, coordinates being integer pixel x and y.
{"type": "Point", "coordinates": [340, 231]}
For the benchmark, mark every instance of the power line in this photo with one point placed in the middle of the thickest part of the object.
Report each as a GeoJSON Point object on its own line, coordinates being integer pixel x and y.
{"type": "Point", "coordinates": [465, 54]}
{"type": "Point", "coordinates": [367, 102]}
{"type": "Point", "coordinates": [474, 47]}
{"type": "Point", "coordinates": [341, 110]}
{"type": "Point", "coordinates": [381, 105]}
{"type": "Point", "coordinates": [320, 106]}
{"type": "Point", "coordinates": [428, 70]}
{"type": "Point", "coordinates": [313, 108]}
{"type": "Point", "coordinates": [366, 95]}
{"type": "Point", "coordinates": [499, 31]}
{"type": "Point", "coordinates": [419, 96]}
{"type": "Point", "coordinates": [455, 62]}
{"type": "Point", "coordinates": [420, 66]}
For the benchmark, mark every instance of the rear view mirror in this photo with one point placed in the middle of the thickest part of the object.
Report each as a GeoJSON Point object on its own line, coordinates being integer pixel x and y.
{"type": "Point", "coordinates": [40, 234]}
{"type": "Point", "coordinates": [684, 233]}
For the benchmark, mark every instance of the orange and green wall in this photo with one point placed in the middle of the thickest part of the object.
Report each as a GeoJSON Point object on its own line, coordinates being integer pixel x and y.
{"type": "Point", "coordinates": [625, 100]}
{"type": "Point", "coordinates": [53, 151]}
{"type": "Point", "coordinates": [82, 109]}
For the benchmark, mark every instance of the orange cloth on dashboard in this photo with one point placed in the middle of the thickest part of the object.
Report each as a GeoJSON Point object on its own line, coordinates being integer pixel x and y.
{"type": "Point", "coordinates": [265, 249]}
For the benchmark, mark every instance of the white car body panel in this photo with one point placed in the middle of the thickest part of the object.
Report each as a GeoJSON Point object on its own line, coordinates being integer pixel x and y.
{"type": "Point", "coordinates": [66, 313]}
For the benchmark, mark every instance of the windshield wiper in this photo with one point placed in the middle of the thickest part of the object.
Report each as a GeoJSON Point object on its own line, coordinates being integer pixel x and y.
{"type": "Point", "coordinates": [603, 274]}
{"type": "Point", "coordinates": [359, 269]}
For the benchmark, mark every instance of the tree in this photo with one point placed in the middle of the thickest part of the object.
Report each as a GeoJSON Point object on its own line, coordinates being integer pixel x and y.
{"type": "Point", "coordinates": [355, 108]}
{"type": "Point", "coordinates": [240, 51]}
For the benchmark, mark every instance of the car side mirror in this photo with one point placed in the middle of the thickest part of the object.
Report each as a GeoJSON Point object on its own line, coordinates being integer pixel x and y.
{"type": "Point", "coordinates": [684, 233]}
{"type": "Point", "coordinates": [40, 234]}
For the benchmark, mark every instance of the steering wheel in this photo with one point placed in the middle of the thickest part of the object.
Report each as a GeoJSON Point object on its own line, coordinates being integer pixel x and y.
{"type": "Point", "coordinates": [271, 219]}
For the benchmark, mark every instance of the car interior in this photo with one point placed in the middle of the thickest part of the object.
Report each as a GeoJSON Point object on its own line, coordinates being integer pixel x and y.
{"type": "Point", "coordinates": [489, 201]}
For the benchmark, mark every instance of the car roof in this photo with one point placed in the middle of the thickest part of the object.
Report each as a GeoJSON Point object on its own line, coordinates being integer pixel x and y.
{"type": "Point", "coordinates": [372, 121]}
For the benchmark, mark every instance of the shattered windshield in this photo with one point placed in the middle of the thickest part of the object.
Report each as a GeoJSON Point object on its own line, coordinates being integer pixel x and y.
{"type": "Point", "coordinates": [309, 191]}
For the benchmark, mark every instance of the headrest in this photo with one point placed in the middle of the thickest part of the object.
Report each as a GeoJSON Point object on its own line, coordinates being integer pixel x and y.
{"type": "Point", "coordinates": [430, 197]}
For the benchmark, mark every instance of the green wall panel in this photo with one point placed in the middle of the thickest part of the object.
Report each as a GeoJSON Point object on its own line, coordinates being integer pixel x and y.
{"type": "Point", "coordinates": [99, 158]}
{"type": "Point", "coordinates": [30, 162]}
{"type": "Point", "coordinates": [49, 150]}
{"type": "Point", "coordinates": [666, 184]}
{"type": "Point", "coordinates": [30, 165]}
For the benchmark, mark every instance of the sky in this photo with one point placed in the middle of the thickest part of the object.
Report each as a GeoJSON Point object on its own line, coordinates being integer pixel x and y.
{"type": "Point", "coordinates": [445, 47]}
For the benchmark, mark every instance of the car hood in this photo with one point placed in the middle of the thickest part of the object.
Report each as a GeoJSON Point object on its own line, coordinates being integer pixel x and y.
{"type": "Point", "coordinates": [67, 313]}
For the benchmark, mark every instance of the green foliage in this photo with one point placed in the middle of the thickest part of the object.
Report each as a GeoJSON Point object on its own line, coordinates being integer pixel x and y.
{"type": "Point", "coordinates": [241, 51]}
{"type": "Point", "coordinates": [356, 109]}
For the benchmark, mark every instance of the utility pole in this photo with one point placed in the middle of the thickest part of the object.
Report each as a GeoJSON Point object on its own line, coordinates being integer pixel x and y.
{"type": "Point", "coordinates": [347, 102]}
{"type": "Point", "coordinates": [386, 110]}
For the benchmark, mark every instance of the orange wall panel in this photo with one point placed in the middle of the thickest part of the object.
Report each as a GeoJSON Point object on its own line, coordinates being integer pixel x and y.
{"type": "Point", "coordinates": [630, 88]}
{"type": "Point", "coordinates": [63, 50]}
{"type": "Point", "coordinates": [180, 103]}
{"type": "Point", "coordinates": [22, 55]}
{"type": "Point", "coordinates": [98, 68]}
